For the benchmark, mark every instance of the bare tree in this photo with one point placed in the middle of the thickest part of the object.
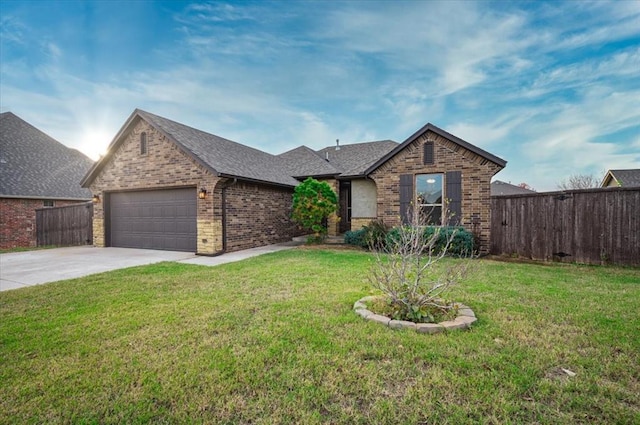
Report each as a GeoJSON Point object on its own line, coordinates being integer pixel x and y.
{"type": "Point", "coordinates": [579, 181]}
{"type": "Point", "coordinates": [406, 269]}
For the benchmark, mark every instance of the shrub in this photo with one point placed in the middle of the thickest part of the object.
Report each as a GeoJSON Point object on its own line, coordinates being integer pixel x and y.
{"type": "Point", "coordinates": [457, 241]}
{"type": "Point", "coordinates": [372, 236]}
{"type": "Point", "coordinates": [356, 237]}
{"type": "Point", "coordinates": [407, 272]}
{"type": "Point", "coordinates": [313, 202]}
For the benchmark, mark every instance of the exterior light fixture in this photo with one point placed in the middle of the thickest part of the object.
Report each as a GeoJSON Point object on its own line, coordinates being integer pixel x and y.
{"type": "Point", "coordinates": [431, 181]}
{"type": "Point", "coordinates": [95, 199]}
{"type": "Point", "coordinates": [202, 194]}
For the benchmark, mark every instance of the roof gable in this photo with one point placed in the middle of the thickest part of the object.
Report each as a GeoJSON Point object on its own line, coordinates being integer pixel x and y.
{"type": "Point", "coordinates": [430, 127]}
{"type": "Point", "coordinates": [221, 156]}
{"type": "Point", "coordinates": [623, 178]}
{"type": "Point", "coordinates": [35, 165]}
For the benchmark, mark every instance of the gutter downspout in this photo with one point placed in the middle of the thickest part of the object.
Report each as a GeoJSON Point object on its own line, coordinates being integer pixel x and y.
{"type": "Point", "coordinates": [224, 220]}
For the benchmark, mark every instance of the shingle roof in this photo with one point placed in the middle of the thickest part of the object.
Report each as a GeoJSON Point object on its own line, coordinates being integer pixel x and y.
{"type": "Point", "coordinates": [430, 127]}
{"type": "Point", "coordinates": [303, 161]}
{"type": "Point", "coordinates": [225, 156]}
{"type": "Point", "coordinates": [500, 188]}
{"type": "Point", "coordinates": [34, 165]}
{"type": "Point", "coordinates": [230, 159]}
{"type": "Point", "coordinates": [356, 158]}
{"type": "Point", "coordinates": [221, 156]}
{"type": "Point", "coordinates": [626, 178]}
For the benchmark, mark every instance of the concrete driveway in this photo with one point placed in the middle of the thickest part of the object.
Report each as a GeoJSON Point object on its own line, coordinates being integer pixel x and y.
{"type": "Point", "coordinates": [22, 269]}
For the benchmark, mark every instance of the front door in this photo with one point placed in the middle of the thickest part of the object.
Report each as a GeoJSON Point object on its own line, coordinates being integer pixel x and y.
{"type": "Point", "coordinates": [345, 206]}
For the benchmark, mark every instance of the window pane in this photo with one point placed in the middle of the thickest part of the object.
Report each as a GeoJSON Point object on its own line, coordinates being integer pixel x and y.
{"type": "Point", "coordinates": [429, 188]}
{"type": "Point", "coordinates": [433, 215]}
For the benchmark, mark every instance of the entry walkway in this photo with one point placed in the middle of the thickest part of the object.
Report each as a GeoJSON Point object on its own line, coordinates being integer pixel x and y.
{"type": "Point", "coordinates": [29, 268]}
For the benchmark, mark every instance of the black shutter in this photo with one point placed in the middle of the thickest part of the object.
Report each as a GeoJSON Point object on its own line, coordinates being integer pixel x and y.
{"type": "Point", "coordinates": [429, 159]}
{"type": "Point", "coordinates": [454, 197]}
{"type": "Point", "coordinates": [406, 197]}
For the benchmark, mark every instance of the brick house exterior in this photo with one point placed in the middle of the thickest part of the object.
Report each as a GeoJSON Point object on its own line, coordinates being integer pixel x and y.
{"type": "Point", "coordinates": [237, 212]}
{"type": "Point", "coordinates": [470, 208]}
{"type": "Point", "coordinates": [36, 171]}
{"type": "Point", "coordinates": [233, 197]}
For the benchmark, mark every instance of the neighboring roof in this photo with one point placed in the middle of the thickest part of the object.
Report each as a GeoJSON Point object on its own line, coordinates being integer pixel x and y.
{"type": "Point", "coordinates": [303, 161]}
{"type": "Point", "coordinates": [354, 159]}
{"type": "Point", "coordinates": [221, 156]}
{"type": "Point", "coordinates": [34, 165]}
{"type": "Point", "coordinates": [430, 127]}
{"type": "Point", "coordinates": [623, 178]}
{"type": "Point", "coordinates": [500, 188]}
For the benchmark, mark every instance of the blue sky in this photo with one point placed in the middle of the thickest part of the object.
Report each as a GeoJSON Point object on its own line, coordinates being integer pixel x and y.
{"type": "Point", "coordinates": [552, 87]}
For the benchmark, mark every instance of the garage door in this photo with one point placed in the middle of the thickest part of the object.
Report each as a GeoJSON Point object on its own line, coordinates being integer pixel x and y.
{"type": "Point", "coordinates": [155, 219]}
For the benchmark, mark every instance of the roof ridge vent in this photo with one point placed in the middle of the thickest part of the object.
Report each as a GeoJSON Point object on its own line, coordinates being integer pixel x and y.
{"type": "Point", "coordinates": [337, 145]}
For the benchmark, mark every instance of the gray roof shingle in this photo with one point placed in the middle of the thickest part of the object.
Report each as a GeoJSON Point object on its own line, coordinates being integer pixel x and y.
{"type": "Point", "coordinates": [355, 159]}
{"type": "Point", "coordinates": [303, 161]}
{"type": "Point", "coordinates": [34, 165]}
{"type": "Point", "coordinates": [627, 178]}
{"type": "Point", "coordinates": [226, 157]}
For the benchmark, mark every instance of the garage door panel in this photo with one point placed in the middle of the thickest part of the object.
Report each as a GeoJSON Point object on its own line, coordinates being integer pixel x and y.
{"type": "Point", "coordinates": [160, 219]}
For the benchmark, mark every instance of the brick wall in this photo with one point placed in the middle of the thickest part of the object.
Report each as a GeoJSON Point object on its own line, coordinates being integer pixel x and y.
{"type": "Point", "coordinates": [258, 215]}
{"type": "Point", "coordinates": [18, 221]}
{"type": "Point", "coordinates": [163, 166]}
{"type": "Point", "coordinates": [476, 179]}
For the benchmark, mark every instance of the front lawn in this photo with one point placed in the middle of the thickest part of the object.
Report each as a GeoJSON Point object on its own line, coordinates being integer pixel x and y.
{"type": "Point", "coordinates": [273, 339]}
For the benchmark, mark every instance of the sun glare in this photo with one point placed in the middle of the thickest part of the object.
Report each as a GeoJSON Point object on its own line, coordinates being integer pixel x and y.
{"type": "Point", "coordinates": [95, 143]}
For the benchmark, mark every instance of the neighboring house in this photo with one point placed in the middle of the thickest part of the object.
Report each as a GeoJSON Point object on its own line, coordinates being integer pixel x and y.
{"type": "Point", "coordinates": [500, 188]}
{"type": "Point", "coordinates": [36, 171]}
{"type": "Point", "coordinates": [621, 178]}
{"type": "Point", "coordinates": [164, 185]}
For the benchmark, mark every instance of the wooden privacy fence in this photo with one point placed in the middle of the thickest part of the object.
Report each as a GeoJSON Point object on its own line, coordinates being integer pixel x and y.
{"type": "Point", "coordinates": [65, 226]}
{"type": "Point", "coordinates": [593, 226]}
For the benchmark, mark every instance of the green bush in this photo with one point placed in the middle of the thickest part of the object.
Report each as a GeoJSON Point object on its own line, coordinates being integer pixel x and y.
{"type": "Point", "coordinates": [462, 241]}
{"type": "Point", "coordinates": [356, 237]}
{"type": "Point", "coordinates": [372, 236]}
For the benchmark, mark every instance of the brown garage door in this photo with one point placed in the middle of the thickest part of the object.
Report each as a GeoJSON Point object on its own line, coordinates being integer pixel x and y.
{"type": "Point", "coordinates": [155, 219]}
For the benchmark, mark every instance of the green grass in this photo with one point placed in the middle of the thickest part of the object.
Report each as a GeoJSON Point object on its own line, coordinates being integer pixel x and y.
{"type": "Point", "coordinates": [273, 340]}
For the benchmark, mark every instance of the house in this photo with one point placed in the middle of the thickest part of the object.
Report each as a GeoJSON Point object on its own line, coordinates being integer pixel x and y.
{"type": "Point", "coordinates": [165, 185]}
{"type": "Point", "coordinates": [36, 171]}
{"type": "Point", "coordinates": [621, 178]}
{"type": "Point", "coordinates": [500, 188]}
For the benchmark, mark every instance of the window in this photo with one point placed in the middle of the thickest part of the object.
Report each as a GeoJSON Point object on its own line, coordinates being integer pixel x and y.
{"type": "Point", "coordinates": [429, 197]}
{"type": "Point", "coordinates": [143, 144]}
{"type": "Point", "coordinates": [48, 203]}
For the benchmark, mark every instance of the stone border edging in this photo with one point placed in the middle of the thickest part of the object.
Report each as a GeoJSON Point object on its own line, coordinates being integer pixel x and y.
{"type": "Point", "coordinates": [465, 318]}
